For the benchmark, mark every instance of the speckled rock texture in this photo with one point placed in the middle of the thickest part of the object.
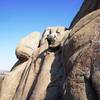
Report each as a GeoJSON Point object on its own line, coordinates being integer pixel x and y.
{"type": "Point", "coordinates": [81, 56]}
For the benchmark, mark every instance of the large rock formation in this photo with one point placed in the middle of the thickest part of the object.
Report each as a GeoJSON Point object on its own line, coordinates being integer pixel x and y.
{"type": "Point", "coordinates": [65, 65]}
{"type": "Point", "coordinates": [41, 77]}
{"type": "Point", "coordinates": [81, 54]}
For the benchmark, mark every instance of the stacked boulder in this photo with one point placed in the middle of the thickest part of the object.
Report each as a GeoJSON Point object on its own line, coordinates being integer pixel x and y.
{"type": "Point", "coordinates": [40, 76]}
{"type": "Point", "coordinates": [27, 46]}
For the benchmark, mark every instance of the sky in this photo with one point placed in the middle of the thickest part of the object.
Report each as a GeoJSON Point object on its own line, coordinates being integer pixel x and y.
{"type": "Point", "coordinates": [20, 17]}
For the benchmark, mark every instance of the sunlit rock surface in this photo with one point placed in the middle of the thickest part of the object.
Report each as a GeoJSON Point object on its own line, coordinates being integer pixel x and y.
{"type": "Point", "coordinates": [65, 64]}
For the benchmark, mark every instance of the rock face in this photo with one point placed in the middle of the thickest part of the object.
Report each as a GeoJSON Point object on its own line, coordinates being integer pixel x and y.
{"type": "Point", "coordinates": [65, 65]}
{"type": "Point", "coordinates": [87, 7]}
{"type": "Point", "coordinates": [1, 79]}
{"type": "Point", "coordinates": [27, 46]}
{"type": "Point", "coordinates": [2, 75]}
{"type": "Point", "coordinates": [56, 34]}
{"type": "Point", "coordinates": [40, 77]}
{"type": "Point", "coordinates": [82, 63]}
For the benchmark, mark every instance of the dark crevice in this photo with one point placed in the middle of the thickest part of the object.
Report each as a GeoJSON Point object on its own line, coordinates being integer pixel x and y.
{"type": "Point", "coordinates": [90, 91]}
{"type": "Point", "coordinates": [21, 80]}
{"type": "Point", "coordinates": [36, 79]}
{"type": "Point", "coordinates": [91, 83]}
